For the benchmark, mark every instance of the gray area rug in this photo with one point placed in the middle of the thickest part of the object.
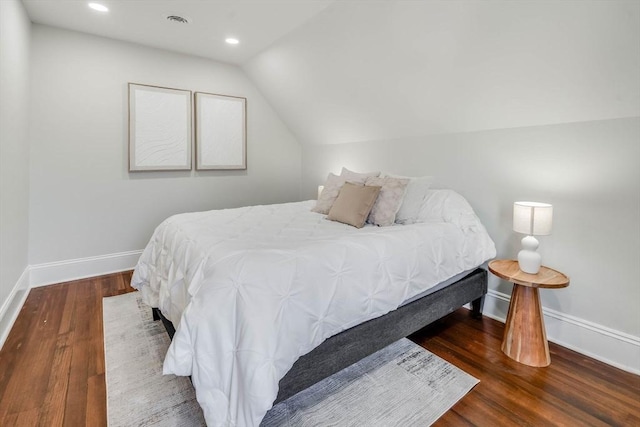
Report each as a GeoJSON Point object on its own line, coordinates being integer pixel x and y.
{"type": "Point", "coordinates": [402, 384]}
{"type": "Point", "coordinates": [137, 392]}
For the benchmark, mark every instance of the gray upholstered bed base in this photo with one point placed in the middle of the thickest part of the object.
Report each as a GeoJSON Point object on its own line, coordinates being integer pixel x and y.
{"type": "Point", "coordinates": [351, 345]}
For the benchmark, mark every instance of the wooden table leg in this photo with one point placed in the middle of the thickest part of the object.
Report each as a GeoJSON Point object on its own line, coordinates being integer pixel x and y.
{"type": "Point", "coordinates": [525, 339]}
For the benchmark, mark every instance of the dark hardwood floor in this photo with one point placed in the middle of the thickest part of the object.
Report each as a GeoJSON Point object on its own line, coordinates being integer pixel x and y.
{"type": "Point", "coordinates": [52, 369]}
{"type": "Point", "coordinates": [574, 390]}
{"type": "Point", "coordinates": [52, 364]}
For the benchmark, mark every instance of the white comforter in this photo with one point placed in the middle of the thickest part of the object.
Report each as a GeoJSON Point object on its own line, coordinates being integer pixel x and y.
{"type": "Point", "coordinates": [252, 289]}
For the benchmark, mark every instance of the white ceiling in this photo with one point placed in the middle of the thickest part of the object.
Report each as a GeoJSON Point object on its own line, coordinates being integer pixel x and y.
{"type": "Point", "coordinates": [257, 23]}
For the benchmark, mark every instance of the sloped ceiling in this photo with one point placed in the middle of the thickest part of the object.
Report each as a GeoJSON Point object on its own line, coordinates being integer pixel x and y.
{"type": "Point", "coordinates": [360, 70]}
{"type": "Point", "coordinates": [363, 71]}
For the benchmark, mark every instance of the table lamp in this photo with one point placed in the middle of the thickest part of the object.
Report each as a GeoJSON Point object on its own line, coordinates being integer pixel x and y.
{"type": "Point", "coordinates": [532, 219]}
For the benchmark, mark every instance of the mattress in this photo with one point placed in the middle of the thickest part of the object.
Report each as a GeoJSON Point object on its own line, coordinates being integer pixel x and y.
{"type": "Point", "coordinates": [252, 289]}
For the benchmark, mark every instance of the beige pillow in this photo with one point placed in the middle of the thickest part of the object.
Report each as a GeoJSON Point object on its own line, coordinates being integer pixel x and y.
{"type": "Point", "coordinates": [389, 201]}
{"type": "Point", "coordinates": [353, 204]}
{"type": "Point", "coordinates": [332, 187]}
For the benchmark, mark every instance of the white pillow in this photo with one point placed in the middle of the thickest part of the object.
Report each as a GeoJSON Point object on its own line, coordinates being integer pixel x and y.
{"type": "Point", "coordinates": [389, 200]}
{"type": "Point", "coordinates": [355, 176]}
{"type": "Point", "coordinates": [448, 206]}
{"type": "Point", "coordinates": [413, 199]}
{"type": "Point", "coordinates": [332, 187]}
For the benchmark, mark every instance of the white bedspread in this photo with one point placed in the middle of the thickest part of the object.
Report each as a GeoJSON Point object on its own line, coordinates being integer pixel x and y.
{"type": "Point", "coordinates": [252, 289]}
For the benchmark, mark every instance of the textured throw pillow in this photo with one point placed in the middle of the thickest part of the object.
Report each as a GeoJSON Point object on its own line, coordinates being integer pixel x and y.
{"type": "Point", "coordinates": [389, 200]}
{"type": "Point", "coordinates": [417, 190]}
{"type": "Point", "coordinates": [355, 176]}
{"type": "Point", "coordinates": [353, 204]}
{"type": "Point", "coordinates": [332, 187]}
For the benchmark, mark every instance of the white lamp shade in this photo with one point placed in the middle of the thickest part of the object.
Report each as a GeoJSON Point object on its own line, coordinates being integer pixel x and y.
{"type": "Point", "coordinates": [532, 218]}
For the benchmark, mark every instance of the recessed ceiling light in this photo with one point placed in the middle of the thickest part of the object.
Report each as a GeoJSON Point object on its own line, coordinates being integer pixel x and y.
{"type": "Point", "coordinates": [99, 7]}
{"type": "Point", "coordinates": [232, 40]}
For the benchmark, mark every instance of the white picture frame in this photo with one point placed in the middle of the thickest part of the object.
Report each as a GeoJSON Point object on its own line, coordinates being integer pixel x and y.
{"type": "Point", "coordinates": [221, 131]}
{"type": "Point", "coordinates": [159, 128]}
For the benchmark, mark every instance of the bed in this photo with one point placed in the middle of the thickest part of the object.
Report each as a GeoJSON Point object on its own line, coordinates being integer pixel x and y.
{"type": "Point", "coordinates": [267, 300]}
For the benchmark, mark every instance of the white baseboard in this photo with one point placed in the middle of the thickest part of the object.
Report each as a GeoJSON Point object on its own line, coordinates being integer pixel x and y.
{"type": "Point", "coordinates": [58, 272]}
{"type": "Point", "coordinates": [81, 268]}
{"type": "Point", "coordinates": [13, 304]}
{"type": "Point", "coordinates": [599, 342]}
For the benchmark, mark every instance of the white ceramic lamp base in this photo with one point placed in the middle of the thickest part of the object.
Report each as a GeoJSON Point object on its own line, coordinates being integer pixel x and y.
{"type": "Point", "coordinates": [529, 260]}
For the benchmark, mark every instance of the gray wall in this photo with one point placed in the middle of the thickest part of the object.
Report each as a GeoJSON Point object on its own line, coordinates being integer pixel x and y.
{"type": "Point", "coordinates": [589, 171]}
{"type": "Point", "coordinates": [15, 37]}
{"type": "Point", "coordinates": [83, 201]}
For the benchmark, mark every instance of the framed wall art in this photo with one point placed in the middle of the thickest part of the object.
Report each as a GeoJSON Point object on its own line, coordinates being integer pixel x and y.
{"type": "Point", "coordinates": [159, 128]}
{"type": "Point", "coordinates": [221, 131]}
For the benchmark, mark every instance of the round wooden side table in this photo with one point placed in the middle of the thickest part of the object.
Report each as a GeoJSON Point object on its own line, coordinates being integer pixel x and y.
{"type": "Point", "coordinates": [525, 338]}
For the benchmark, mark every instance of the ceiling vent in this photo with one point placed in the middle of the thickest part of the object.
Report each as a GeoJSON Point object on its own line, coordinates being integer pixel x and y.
{"type": "Point", "coordinates": [179, 19]}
